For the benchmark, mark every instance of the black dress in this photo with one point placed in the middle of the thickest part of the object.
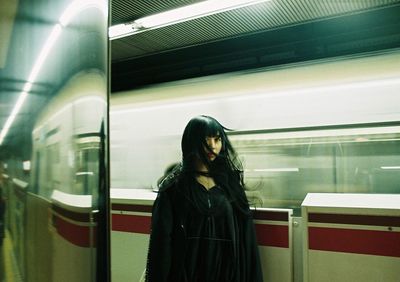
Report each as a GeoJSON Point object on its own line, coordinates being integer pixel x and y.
{"type": "Point", "coordinates": [197, 236]}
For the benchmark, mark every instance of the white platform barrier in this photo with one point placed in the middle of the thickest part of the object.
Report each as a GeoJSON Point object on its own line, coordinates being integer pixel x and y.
{"type": "Point", "coordinates": [351, 237]}
{"type": "Point", "coordinates": [131, 218]}
{"type": "Point", "coordinates": [73, 224]}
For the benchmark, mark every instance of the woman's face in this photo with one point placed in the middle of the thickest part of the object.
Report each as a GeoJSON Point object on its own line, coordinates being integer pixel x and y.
{"type": "Point", "coordinates": [215, 144]}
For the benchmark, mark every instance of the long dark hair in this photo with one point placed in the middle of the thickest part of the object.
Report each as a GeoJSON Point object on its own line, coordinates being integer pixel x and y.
{"type": "Point", "coordinates": [226, 169]}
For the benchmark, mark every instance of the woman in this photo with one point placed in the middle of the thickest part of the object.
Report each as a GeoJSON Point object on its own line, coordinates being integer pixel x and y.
{"type": "Point", "coordinates": [202, 229]}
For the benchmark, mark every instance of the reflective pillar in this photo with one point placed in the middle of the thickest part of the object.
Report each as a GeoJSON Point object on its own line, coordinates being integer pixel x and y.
{"type": "Point", "coordinates": [54, 139]}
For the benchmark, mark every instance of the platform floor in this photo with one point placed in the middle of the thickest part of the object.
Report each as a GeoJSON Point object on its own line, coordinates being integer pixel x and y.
{"type": "Point", "coordinates": [8, 267]}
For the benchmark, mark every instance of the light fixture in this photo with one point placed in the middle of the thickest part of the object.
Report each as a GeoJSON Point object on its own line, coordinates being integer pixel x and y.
{"type": "Point", "coordinates": [12, 116]}
{"type": "Point", "coordinates": [185, 13]}
{"type": "Point", "coordinates": [71, 11]}
{"type": "Point", "coordinates": [78, 6]}
{"type": "Point", "coordinates": [280, 169]}
{"type": "Point", "coordinates": [26, 165]}
{"type": "Point", "coordinates": [44, 52]}
{"type": "Point", "coordinates": [27, 87]}
{"type": "Point", "coordinates": [391, 167]}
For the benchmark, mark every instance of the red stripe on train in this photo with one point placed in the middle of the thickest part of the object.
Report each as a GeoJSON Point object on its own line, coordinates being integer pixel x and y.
{"type": "Point", "coordinates": [131, 223]}
{"type": "Point", "coordinates": [369, 242]}
{"type": "Point", "coordinates": [75, 234]}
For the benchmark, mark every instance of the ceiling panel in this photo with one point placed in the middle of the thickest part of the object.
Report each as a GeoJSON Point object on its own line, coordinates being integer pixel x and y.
{"type": "Point", "coordinates": [230, 24]}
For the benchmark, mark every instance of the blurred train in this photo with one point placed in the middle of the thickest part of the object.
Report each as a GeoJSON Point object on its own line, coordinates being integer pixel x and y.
{"type": "Point", "coordinates": [52, 199]}
{"type": "Point", "coordinates": [328, 126]}
{"type": "Point", "coordinates": [315, 127]}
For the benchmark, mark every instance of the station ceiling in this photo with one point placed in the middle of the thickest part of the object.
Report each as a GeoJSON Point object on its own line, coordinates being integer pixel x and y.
{"type": "Point", "coordinates": [272, 33]}
{"type": "Point", "coordinates": [269, 33]}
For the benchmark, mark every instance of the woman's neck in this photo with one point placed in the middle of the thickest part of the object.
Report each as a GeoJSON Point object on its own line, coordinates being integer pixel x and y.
{"type": "Point", "coordinates": [203, 177]}
{"type": "Point", "coordinates": [201, 167]}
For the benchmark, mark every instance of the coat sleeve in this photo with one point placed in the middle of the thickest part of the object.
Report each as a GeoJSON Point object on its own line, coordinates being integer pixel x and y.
{"type": "Point", "coordinates": [159, 255]}
{"type": "Point", "coordinates": [254, 263]}
{"type": "Point", "coordinates": [248, 265]}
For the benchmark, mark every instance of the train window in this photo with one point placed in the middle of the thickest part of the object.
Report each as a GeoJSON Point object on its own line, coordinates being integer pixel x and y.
{"type": "Point", "coordinates": [281, 170]}
{"type": "Point", "coordinates": [87, 159]}
{"type": "Point", "coordinates": [52, 153]}
{"type": "Point", "coordinates": [35, 177]}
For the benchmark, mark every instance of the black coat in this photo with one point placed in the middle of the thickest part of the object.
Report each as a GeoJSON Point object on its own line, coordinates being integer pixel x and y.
{"type": "Point", "coordinates": [180, 247]}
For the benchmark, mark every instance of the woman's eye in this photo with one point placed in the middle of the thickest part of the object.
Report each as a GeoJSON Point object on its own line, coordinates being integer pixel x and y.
{"type": "Point", "coordinates": [215, 139]}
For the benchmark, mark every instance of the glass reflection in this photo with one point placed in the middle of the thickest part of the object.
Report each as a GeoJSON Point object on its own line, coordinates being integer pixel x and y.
{"type": "Point", "coordinates": [53, 99]}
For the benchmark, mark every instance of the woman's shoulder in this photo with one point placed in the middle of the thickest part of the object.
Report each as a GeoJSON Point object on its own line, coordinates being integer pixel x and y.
{"type": "Point", "coordinates": [170, 179]}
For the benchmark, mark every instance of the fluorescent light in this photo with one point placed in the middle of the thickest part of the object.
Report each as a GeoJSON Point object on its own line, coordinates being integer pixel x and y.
{"type": "Point", "coordinates": [27, 87]}
{"type": "Point", "coordinates": [121, 29]}
{"type": "Point", "coordinates": [26, 165]}
{"type": "Point", "coordinates": [45, 51]}
{"type": "Point", "coordinates": [194, 11]}
{"type": "Point", "coordinates": [72, 10]}
{"type": "Point", "coordinates": [84, 173]}
{"type": "Point", "coordinates": [190, 12]}
{"type": "Point", "coordinates": [283, 169]}
{"type": "Point", "coordinates": [390, 167]}
{"type": "Point", "coordinates": [12, 116]}
{"type": "Point", "coordinates": [78, 6]}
